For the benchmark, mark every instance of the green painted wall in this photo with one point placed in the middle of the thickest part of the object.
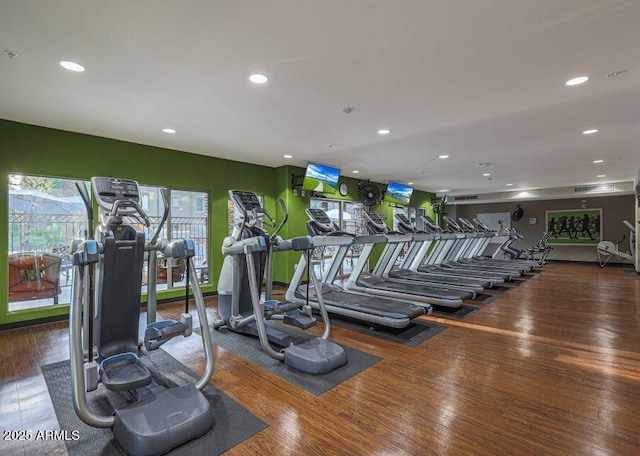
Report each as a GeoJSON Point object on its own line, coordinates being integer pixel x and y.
{"type": "Point", "coordinates": [27, 149]}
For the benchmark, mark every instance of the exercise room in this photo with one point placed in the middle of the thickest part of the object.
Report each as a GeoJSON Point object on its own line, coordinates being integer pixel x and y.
{"type": "Point", "coordinates": [308, 228]}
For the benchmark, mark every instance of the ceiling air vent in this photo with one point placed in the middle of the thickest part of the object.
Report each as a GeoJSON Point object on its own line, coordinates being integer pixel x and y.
{"type": "Point", "coordinates": [465, 197]}
{"type": "Point", "coordinates": [594, 188]}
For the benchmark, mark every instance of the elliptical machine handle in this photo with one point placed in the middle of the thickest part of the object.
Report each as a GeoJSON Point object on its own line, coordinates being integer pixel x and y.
{"type": "Point", "coordinates": [143, 214]}
{"type": "Point", "coordinates": [257, 211]}
{"type": "Point", "coordinates": [284, 219]}
{"type": "Point", "coordinates": [164, 193]}
{"type": "Point", "coordinates": [86, 199]}
{"type": "Point", "coordinates": [237, 205]}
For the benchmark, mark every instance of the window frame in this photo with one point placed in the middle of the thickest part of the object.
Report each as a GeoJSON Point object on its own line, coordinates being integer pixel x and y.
{"type": "Point", "coordinates": [168, 229]}
{"type": "Point", "coordinates": [51, 223]}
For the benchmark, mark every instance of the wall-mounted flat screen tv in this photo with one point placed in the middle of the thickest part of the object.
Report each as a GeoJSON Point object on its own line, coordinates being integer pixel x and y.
{"type": "Point", "coordinates": [320, 178]}
{"type": "Point", "coordinates": [398, 193]}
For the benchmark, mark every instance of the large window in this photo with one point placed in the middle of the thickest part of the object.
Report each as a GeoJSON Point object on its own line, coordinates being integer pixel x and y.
{"type": "Point", "coordinates": [188, 217]}
{"type": "Point", "coordinates": [45, 215]}
{"type": "Point", "coordinates": [350, 217]}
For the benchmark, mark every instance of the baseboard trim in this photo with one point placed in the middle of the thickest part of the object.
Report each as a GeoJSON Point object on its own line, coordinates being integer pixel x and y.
{"type": "Point", "coordinates": [65, 317]}
{"type": "Point", "coordinates": [36, 322]}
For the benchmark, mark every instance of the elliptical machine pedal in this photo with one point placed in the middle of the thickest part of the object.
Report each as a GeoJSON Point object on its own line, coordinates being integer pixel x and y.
{"type": "Point", "coordinates": [299, 319]}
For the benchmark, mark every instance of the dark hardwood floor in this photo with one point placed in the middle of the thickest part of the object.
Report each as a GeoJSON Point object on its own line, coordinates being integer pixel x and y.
{"type": "Point", "coordinates": [551, 367]}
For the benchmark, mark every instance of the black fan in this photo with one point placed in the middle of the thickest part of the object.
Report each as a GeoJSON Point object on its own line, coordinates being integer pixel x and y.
{"type": "Point", "coordinates": [517, 213]}
{"type": "Point", "coordinates": [368, 193]}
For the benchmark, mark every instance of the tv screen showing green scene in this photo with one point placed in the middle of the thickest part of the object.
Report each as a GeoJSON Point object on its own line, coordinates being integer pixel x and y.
{"type": "Point", "coordinates": [320, 178]}
{"type": "Point", "coordinates": [398, 193]}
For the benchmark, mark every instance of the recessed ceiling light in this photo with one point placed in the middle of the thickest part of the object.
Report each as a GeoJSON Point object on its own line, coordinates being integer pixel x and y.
{"type": "Point", "coordinates": [487, 174]}
{"type": "Point", "coordinates": [71, 66]}
{"type": "Point", "coordinates": [384, 131]}
{"type": "Point", "coordinates": [171, 131]}
{"type": "Point", "coordinates": [598, 161]}
{"type": "Point", "coordinates": [355, 171]}
{"type": "Point", "coordinates": [444, 190]}
{"type": "Point", "coordinates": [509, 185]}
{"type": "Point", "coordinates": [601, 175]}
{"type": "Point", "coordinates": [590, 132]}
{"type": "Point", "coordinates": [409, 183]}
{"type": "Point", "coordinates": [258, 78]}
{"type": "Point", "coordinates": [577, 80]}
{"type": "Point", "coordinates": [443, 156]}
{"type": "Point", "coordinates": [287, 156]}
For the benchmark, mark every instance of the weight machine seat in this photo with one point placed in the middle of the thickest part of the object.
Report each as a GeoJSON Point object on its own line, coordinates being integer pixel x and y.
{"type": "Point", "coordinates": [162, 421]}
{"type": "Point", "coordinates": [124, 372]}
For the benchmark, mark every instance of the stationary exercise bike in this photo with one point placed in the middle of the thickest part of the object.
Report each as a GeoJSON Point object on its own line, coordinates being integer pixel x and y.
{"type": "Point", "coordinates": [106, 288]}
{"type": "Point", "coordinates": [248, 254]}
{"type": "Point", "coordinates": [607, 249]}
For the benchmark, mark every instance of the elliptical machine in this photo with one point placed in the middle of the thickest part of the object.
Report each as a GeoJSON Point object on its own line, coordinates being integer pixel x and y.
{"type": "Point", "coordinates": [107, 287]}
{"type": "Point", "coordinates": [248, 253]}
{"type": "Point", "coordinates": [606, 249]}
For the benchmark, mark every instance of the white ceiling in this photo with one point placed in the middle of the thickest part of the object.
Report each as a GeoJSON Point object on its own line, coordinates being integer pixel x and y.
{"type": "Point", "coordinates": [479, 80]}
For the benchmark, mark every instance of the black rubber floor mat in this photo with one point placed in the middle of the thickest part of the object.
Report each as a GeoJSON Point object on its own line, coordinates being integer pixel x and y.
{"type": "Point", "coordinates": [462, 312]}
{"type": "Point", "coordinates": [249, 348]}
{"type": "Point", "coordinates": [412, 335]}
{"type": "Point", "coordinates": [233, 424]}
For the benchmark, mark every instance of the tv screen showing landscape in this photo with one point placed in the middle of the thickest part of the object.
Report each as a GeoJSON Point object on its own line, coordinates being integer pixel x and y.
{"type": "Point", "coordinates": [398, 193]}
{"type": "Point", "coordinates": [320, 178]}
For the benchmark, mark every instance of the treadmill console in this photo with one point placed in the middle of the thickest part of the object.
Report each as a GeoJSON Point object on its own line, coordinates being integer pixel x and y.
{"type": "Point", "coordinates": [467, 224]}
{"type": "Point", "coordinates": [321, 219]}
{"type": "Point", "coordinates": [451, 224]}
{"type": "Point", "coordinates": [480, 224]}
{"type": "Point", "coordinates": [377, 222]}
{"type": "Point", "coordinates": [248, 200]}
{"type": "Point", "coordinates": [429, 223]}
{"type": "Point", "coordinates": [404, 223]}
{"type": "Point", "coordinates": [108, 190]}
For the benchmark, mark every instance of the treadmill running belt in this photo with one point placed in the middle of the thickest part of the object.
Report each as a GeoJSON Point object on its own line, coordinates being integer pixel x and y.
{"type": "Point", "coordinates": [368, 304]}
{"type": "Point", "coordinates": [428, 277]}
{"type": "Point", "coordinates": [420, 290]}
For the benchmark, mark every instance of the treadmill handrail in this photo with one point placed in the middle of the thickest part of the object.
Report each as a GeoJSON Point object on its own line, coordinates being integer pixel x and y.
{"type": "Point", "coordinates": [370, 239]}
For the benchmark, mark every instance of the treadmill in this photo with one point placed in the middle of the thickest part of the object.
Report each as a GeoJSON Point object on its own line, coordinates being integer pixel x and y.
{"type": "Point", "coordinates": [389, 312]}
{"type": "Point", "coordinates": [436, 258]}
{"type": "Point", "coordinates": [504, 248]}
{"type": "Point", "coordinates": [375, 283]}
{"type": "Point", "coordinates": [524, 265]}
{"type": "Point", "coordinates": [435, 277]}
{"type": "Point", "coordinates": [472, 243]}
